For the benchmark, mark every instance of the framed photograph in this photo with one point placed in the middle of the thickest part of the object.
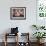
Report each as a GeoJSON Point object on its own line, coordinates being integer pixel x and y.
{"type": "Point", "coordinates": [17, 13]}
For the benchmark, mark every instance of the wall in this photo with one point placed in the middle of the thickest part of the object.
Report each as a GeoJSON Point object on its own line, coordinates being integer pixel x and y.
{"type": "Point", "coordinates": [24, 25]}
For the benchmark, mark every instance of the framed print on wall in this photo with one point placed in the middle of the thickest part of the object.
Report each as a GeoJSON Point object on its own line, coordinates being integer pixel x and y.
{"type": "Point", "coordinates": [18, 13]}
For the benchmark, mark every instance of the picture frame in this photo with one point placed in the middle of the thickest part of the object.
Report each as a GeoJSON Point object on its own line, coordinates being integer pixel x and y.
{"type": "Point", "coordinates": [18, 13]}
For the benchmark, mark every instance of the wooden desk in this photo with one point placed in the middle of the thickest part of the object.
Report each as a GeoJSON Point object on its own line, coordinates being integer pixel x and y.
{"type": "Point", "coordinates": [8, 34]}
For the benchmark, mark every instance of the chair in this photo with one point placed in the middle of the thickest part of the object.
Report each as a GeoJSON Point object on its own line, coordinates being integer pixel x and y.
{"type": "Point", "coordinates": [26, 41]}
{"type": "Point", "coordinates": [14, 32]}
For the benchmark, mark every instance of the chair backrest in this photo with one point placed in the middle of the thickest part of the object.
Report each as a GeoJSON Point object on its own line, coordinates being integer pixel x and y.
{"type": "Point", "coordinates": [14, 30]}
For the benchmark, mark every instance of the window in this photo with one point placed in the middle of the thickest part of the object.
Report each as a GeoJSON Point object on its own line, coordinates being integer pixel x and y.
{"type": "Point", "coordinates": [41, 8]}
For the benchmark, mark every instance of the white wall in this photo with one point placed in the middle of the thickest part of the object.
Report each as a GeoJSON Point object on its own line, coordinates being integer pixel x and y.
{"type": "Point", "coordinates": [24, 25]}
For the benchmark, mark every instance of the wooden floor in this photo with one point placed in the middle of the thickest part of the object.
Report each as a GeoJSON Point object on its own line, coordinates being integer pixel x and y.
{"type": "Point", "coordinates": [13, 44]}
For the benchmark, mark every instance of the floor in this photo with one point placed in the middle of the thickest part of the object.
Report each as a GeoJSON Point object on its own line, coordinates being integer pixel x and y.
{"type": "Point", "coordinates": [13, 44]}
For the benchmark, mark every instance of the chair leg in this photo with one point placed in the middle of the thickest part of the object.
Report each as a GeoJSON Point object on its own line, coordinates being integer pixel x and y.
{"type": "Point", "coordinates": [5, 40]}
{"type": "Point", "coordinates": [5, 43]}
{"type": "Point", "coordinates": [17, 39]}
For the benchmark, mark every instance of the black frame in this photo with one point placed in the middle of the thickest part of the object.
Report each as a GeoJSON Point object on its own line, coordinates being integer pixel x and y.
{"type": "Point", "coordinates": [17, 18]}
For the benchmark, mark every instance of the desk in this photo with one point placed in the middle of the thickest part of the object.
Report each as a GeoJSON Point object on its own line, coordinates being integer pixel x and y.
{"type": "Point", "coordinates": [8, 34]}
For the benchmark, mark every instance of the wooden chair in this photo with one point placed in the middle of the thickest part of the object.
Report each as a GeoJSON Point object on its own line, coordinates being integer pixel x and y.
{"type": "Point", "coordinates": [7, 34]}
{"type": "Point", "coordinates": [25, 36]}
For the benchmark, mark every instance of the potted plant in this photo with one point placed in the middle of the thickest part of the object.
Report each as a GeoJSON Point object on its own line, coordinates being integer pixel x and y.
{"type": "Point", "coordinates": [42, 27]}
{"type": "Point", "coordinates": [38, 27]}
{"type": "Point", "coordinates": [39, 35]}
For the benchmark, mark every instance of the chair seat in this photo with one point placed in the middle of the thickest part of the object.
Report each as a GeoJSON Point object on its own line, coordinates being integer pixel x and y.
{"type": "Point", "coordinates": [9, 34]}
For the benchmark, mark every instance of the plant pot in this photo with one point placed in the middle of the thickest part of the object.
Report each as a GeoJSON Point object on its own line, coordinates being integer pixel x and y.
{"type": "Point", "coordinates": [40, 41]}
